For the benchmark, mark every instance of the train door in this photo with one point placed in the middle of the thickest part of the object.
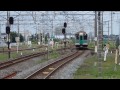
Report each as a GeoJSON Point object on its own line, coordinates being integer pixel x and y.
{"type": "Point", "coordinates": [81, 40]}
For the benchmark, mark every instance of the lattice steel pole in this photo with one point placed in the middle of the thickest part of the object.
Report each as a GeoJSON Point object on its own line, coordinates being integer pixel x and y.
{"type": "Point", "coordinates": [111, 28]}
{"type": "Point", "coordinates": [99, 45]}
{"type": "Point", "coordinates": [102, 29]}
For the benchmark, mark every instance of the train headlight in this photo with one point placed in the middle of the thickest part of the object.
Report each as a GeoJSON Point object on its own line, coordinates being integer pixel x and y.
{"type": "Point", "coordinates": [80, 33]}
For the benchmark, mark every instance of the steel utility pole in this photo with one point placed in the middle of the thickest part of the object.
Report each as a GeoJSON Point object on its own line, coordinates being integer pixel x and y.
{"type": "Point", "coordinates": [108, 31]}
{"type": "Point", "coordinates": [102, 29]}
{"type": "Point", "coordinates": [0, 31]}
{"type": "Point", "coordinates": [95, 31]}
{"type": "Point", "coordinates": [8, 15]}
{"type": "Point", "coordinates": [99, 44]}
{"type": "Point", "coordinates": [39, 34]}
{"type": "Point", "coordinates": [111, 27]}
{"type": "Point", "coordinates": [18, 37]}
{"type": "Point", "coordinates": [119, 31]}
{"type": "Point", "coordinates": [18, 29]}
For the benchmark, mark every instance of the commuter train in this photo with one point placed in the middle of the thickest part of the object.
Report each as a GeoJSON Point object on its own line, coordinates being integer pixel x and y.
{"type": "Point", "coordinates": [81, 39]}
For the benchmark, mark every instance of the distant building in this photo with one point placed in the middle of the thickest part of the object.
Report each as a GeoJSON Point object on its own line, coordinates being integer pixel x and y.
{"type": "Point", "coordinates": [3, 36]}
{"type": "Point", "coordinates": [2, 39]}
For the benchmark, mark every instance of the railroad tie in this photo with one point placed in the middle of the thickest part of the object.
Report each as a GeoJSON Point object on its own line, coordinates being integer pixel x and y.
{"type": "Point", "coordinates": [51, 68]}
{"type": "Point", "coordinates": [45, 72]}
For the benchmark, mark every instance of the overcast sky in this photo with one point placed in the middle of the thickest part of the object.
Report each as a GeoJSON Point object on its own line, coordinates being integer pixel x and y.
{"type": "Point", "coordinates": [48, 21]}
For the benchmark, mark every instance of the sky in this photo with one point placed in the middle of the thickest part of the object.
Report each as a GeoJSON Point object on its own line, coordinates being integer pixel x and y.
{"type": "Point", "coordinates": [33, 22]}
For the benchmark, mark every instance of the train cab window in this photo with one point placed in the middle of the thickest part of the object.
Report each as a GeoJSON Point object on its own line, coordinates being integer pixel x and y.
{"type": "Point", "coordinates": [77, 36]}
{"type": "Point", "coordinates": [85, 37]}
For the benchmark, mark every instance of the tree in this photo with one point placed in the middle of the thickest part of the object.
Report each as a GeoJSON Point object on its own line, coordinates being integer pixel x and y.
{"type": "Point", "coordinates": [21, 38]}
{"type": "Point", "coordinates": [15, 34]}
{"type": "Point", "coordinates": [12, 36]}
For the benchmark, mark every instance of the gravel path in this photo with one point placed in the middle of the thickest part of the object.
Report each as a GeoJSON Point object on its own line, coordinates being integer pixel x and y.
{"type": "Point", "coordinates": [69, 69]}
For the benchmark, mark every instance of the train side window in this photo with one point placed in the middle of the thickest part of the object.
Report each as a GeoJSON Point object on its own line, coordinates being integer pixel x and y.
{"type": "Point", "coordinates": [85, 37]}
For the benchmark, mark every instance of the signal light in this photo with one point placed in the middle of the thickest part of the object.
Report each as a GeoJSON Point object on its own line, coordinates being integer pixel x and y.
{"type": "Point", "coordinates": [63, 30]}
{"type": "Point", "coordinates": [65, 24]}
{"type": "Point", "coordinates": [11, 20]}
{"type": "Point", "coordinates": [8, 30]}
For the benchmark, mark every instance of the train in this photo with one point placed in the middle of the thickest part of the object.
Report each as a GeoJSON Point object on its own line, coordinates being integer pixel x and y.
{"type": "Point", "coordinates": [81, 39]}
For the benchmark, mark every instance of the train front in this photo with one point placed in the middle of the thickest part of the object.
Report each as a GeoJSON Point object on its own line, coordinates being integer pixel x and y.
{"type": "Point", "coordinates": [81, 39]}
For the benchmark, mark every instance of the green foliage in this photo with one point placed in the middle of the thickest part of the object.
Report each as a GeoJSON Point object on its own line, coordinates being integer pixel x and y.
{"type": "Point", "coordinates": [54, 54]}
{"type": "Point", "coordinates": [15, 34]}
{"type": "Point", "coordinates": [56, 40]}
{"type": "Point", "coordinates": [21, 38]}
{"type": "Point", "coordinates": [12, 36]}
{"type": "Point", "coordinates": [73, 39]}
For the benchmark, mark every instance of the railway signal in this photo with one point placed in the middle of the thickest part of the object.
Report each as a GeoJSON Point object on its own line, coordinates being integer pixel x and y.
{"type": "Point", "coordinates": [11, 20]}
{"type": "Point", "coordinates": [8, 30]}
{"type": "Point", "coordinates": [63, 31]}
{"type": "Point", "coordinates": [65, 24]}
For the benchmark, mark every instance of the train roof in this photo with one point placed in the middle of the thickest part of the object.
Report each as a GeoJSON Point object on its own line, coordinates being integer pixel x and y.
{"type": "Point", "coordinates": [81, 32]}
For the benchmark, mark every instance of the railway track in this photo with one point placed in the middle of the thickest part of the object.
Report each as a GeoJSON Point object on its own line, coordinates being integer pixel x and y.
{"type": "Point", "coordinates": [47, 71]}
{"type": "Point", "coordinates": [9, 76]}
{"type": "Point", "coordinates": [24, 58]}
{"type": "Point", "coordinates": [5, 51]}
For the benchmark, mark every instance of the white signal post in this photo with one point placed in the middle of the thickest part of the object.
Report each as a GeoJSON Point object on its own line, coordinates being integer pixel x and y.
{"type": "Point", "coordinates": [119, 49]}
{"type": "Point", "coordinates": [105, 53]}
{"type": "Point", "coordinates": [116, 55]}
{"type": "Point", "coordinates": [17, 40]}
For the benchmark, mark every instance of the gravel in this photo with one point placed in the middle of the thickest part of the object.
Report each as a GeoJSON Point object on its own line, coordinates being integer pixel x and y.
{"type": "Point", "coordinates": [67, 71]}
{"type": "Point", "coordinates": [29, 67]}
{"type": "Point", "coordinates": [26, 68]}
{"type": "Point", "coordinates": [64, 73]}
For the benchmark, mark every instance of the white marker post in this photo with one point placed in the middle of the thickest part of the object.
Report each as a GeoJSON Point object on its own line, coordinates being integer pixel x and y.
{"type": "Point", "coordinates": [17, 39]}
{"type": "Point", "coordinates": [116, 56]}
{"type": "Point", "coordinates": [33, 50]}
{"type": "Point", "coordinates": [105, 54]}
{"type": "Point", "coordinates": [111, 51]}
{"type": "Point", "coordinates": [21, 53]}
{"type": "Point", "coordinates": [119, 49]}
{"type": "Point", "coordinates": [95, 45]}
{"type": "Point", "coordinates": [17, 47]}
{"type": "Point", "coordinates": [95, 49]}
{"type": "Point", "coordinates": [116, 60]}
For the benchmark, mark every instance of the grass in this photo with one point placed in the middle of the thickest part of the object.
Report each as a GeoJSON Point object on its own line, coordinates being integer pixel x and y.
{"type": "Point", "coordinates": [89, 71]}
{"type": "Point", "coordinates": [52, 55]}
{"type": "Point", "coordinates": [111, 43]}
{"type": "Point", "coordinates": [4, 56]}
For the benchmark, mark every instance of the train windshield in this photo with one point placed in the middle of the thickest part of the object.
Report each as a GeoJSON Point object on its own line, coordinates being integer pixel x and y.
{"type": "Point", "coordinates": [85, 37]}
{"type": "Point", "coordinates": [77, 36]}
